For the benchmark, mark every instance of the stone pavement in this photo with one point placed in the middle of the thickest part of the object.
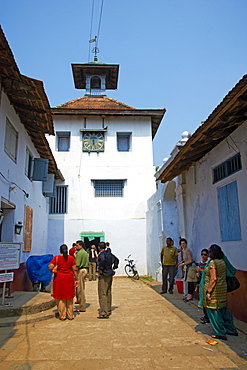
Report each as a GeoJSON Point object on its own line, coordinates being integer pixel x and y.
{"type": "Point", "coordinates": [145, 331]}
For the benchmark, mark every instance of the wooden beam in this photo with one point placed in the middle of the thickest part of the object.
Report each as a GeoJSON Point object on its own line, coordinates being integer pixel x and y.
{"type": "Point", "coordinates": [21, 94]}
{"type": "Point", "coordinates": [31, 116]}
{"type": "Point", "coordinates": [17, 84]}
{"type": "Point", "coordinates": [32, 127]}
{"type": "Point", "coordinates": [28, 107]}
{"type": "Point", "coordinates": [201, 150]}
{"type": "Point", "coordinates": [4, 62]}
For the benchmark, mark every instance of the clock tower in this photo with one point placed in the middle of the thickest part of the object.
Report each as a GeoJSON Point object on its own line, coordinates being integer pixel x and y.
{"type": "Point", "coordinates": [95, 77]}
{"type": "Point", "coordinates": [104, 150]}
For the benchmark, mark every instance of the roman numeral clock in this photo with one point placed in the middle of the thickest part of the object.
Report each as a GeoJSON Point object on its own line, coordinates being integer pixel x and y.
{"type": "Point", "coordinates": [93, 142]}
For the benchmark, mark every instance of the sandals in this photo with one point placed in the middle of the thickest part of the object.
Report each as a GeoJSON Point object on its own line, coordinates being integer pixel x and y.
{"type": "Point", "coordinates": [218, 337]}
{"type": "Point", "coordinates": [204, 321]}
{"type": "Point", "coordinates": [103, 317]}
{"type": "Point", "coordinates": [77, 310]}
{"type": "Point", "coordinates": [188, 299]}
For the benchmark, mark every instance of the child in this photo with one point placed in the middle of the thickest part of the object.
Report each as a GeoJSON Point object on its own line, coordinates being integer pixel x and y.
{"type": "Point", "coordinates": [199, 269]}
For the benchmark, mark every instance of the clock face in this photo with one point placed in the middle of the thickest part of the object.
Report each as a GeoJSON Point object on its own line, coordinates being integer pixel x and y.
{"type": "Point", "coordinates": [93, 142]}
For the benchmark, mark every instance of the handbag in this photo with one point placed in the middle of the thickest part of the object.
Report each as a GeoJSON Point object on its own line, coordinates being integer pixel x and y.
{"type": "Point", "coordinates": [232, 283]}
{"type": "Point", "coordinates": [54, 270]}
{"type": "Point", "coordinates": [191, 275]}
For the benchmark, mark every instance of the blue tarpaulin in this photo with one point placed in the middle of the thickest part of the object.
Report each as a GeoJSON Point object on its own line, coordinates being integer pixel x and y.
{"type": "Point", "coordinates": [37, 268]}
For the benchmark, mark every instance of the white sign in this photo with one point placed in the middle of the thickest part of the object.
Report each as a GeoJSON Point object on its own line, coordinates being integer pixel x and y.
{"type": "Point", "coordinates": [10, 256]}
{"type": "Point", "coordinates": [6, 277]}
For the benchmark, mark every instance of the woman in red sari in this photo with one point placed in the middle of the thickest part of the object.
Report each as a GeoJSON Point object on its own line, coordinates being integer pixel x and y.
{"type": "Point", "coordinates": [64, 283]}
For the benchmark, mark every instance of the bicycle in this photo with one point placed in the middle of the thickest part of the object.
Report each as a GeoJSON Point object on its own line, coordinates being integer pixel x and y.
{"type": "Point", "coordinates": [130, 268]}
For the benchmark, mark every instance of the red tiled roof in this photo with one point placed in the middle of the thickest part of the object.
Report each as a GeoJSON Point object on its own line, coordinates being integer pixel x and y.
{"type": "Point", "coordinates": [95, 102]}
{"type": "Point", "coordinates": [102, 105]}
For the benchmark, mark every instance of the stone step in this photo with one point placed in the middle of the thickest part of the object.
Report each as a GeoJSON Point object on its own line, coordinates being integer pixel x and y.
{"type": "Point", "coordinates": [26, 303]}
{"type": "Point", "coordinates": [30, 318]}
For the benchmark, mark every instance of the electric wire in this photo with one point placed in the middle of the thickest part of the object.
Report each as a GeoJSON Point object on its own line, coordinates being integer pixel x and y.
{"type": "Point", "coordinates": [13, 183]}
{"type": "Point", "coordinates": [91, 27]}
{"type": "Point", "coordinates": [100, 17]}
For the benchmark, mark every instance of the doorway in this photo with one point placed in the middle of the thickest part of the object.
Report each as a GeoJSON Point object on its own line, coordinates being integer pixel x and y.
{"type": "Point", "coordinates": [92, 238]}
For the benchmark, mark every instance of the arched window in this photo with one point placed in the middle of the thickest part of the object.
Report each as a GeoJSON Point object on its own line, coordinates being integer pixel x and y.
{"type": "Point", "coordinates": [95, 83]}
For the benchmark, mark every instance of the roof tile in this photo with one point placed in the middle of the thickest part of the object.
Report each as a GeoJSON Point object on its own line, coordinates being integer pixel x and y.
{"type": "Point", "coordinates": [95, 102]}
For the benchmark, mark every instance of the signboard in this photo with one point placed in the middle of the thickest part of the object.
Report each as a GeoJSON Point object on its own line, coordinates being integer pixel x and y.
{"type": "Point", "coordinates": [6, 277]}
{"type": "Point", "coordinates": [10, 256]}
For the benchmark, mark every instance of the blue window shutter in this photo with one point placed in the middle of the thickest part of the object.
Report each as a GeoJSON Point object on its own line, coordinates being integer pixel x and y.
{"type": "Point", "coordinates": [234, 211]}
{"type": "Point", "coordinates": [123, 142]}
{"type": "Point", "coordinates": [229, 212]}
{"type": "Point", "coordinates": [40, 169]}
{"type": "Point", "coordinates": [63, 141]}
{"type": "Point", "coordinates": [49, 186]}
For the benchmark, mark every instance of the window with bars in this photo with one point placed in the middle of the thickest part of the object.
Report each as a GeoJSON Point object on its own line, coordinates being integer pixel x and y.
{"type": "Point", "coordinates": [59, 203]}
{"type": "Point", "coordinates": [227, 168]}
{"type": "Point", "coordinates": [108, 188]}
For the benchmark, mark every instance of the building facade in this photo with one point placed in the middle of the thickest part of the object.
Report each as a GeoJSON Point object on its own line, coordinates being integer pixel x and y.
{"type": "Point", "coordinates": [104, 150]}
{"type": "Point", "coordinates": [26, 163]}
{"type": "Point", "coordinates": [208, 177]}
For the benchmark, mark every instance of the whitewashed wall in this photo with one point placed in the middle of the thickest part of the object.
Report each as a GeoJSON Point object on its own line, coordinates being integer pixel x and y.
{"type": "Point", "coordinates": [15, 172]}
{"type": "Point", "coordinates": [123, 220]}
{"type": "Point", "coordinates": [201, 201]}
{"type": "Point", "coordinates": [162, 222]}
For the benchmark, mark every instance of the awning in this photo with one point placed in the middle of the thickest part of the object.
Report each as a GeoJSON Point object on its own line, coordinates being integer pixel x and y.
{"type": "Point", "coordinates": [91, 235]}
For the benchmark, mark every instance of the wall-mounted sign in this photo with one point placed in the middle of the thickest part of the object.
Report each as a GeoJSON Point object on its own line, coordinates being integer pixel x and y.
{"type": "Point", "coordinates": [6, 277]}
{"type": "Point", "coordinates": [10, 256]}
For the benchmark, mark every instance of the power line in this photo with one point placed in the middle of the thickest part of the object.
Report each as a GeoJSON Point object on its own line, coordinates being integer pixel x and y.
{"type": "Point", "coordinates": [101, 10]}
{"type": "Point", "coordinates": [96, 39]}
{"type": "Point", "coordinates": [91, 27]}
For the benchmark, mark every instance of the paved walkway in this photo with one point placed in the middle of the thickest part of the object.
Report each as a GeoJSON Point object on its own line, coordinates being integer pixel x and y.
{"type": "Point", "coordinates": [145, 331]}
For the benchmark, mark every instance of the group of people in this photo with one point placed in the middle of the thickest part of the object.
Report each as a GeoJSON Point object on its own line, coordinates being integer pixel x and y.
{"type": "Point", "coordinates": [69, 281]}
{"type": "Point", "coordinates": [209, 275]}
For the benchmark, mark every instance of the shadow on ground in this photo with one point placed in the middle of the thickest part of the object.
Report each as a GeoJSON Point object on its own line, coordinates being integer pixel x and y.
{"type": "Point", "coordinates": [193, 313]}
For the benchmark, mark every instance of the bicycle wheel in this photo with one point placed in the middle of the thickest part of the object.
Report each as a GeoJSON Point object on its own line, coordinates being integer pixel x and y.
{"type": "Point", "coordinates": [136, 275]}
{"type": "Point", "coordinates": [129, 271]}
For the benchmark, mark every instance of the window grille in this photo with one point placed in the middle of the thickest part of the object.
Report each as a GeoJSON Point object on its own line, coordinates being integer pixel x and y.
{"type": "Point", "coordinates": [108, 188]}
{"type": "Point", "coordinates": [59, 203]}
{"type": "Point", "coordinates": [227, 168]}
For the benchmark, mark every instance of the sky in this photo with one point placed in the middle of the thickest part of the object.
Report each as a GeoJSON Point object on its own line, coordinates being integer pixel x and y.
{"type": "Point", "coordinates": [182, 55]}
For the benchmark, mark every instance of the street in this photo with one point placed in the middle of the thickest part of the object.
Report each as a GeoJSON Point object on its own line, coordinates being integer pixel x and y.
{"type": "Point", "coordinates": [145, 331]}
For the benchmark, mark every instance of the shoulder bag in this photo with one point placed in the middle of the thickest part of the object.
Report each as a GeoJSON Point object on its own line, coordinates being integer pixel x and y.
{"type": "Point", "coordinates": [54, 270]}
{"type": "Point", "coordinates": [232, 283]}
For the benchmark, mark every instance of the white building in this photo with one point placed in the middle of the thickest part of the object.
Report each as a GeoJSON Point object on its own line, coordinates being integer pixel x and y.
{"type": "Point", "coordinates": [104, 150]}
{"type": "Point", "coordinates": [25, 117]}
{"type": "Point", "coordinates": [207, 180]}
